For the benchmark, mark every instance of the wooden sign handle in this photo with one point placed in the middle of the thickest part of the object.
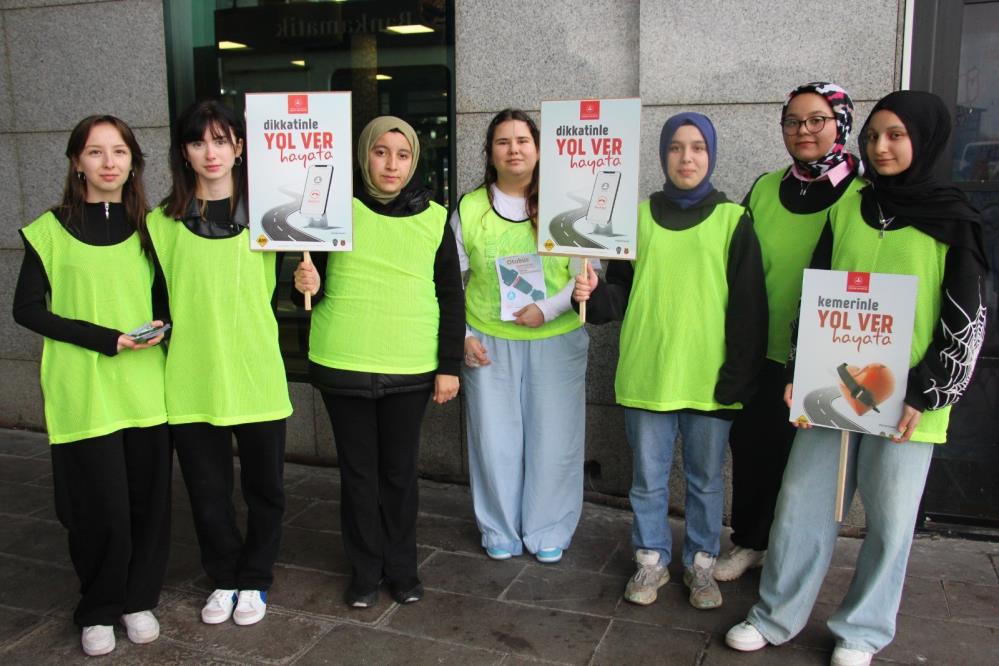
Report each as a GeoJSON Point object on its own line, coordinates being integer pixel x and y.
{"type": "Point", "coordinates": [308, 297]}
{"type": "Point", "coordinates": [844, 450]}
{"type": "Point", "coordinates": [584, 271]}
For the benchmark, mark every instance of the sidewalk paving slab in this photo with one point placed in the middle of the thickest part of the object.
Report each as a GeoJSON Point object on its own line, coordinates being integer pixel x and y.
{"type": "Point", "coordinates": [475, 611]}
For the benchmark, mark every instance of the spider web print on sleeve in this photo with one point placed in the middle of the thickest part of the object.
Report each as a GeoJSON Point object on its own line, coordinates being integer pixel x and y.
{"type": "Point", "coordinates": [958, 357]}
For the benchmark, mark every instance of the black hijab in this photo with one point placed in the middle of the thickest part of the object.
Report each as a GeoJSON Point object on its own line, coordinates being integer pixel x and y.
{"type": "Point", "coordinates": [916, 196]}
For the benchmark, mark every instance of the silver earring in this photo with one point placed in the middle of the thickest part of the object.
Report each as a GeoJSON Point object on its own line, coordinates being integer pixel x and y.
{"type": "Point", "coordinates": [238, 161]}
{"type": "Point", "coordinates": [79, 174]}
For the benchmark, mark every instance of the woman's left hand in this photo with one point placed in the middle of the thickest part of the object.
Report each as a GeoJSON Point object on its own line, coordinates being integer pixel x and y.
{"type": "Point", "coordinates": [445, 388]}
{"type": "Point", "coordinates": [530, 316]}
{"type": "Point", "coordinates": [907, 424]}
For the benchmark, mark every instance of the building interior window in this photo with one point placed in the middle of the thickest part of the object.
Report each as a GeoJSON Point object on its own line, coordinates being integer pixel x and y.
{"type": "Point", "coordinates": [394, 56]}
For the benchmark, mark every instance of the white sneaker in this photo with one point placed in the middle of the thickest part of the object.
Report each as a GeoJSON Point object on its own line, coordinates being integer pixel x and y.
{"type": "Point", "coordinates": [97, 640]}
{"type": "Point", "coordinates": [738, 561]}
{"type": "Point", "coordinates": [842, 656]}
{"type": "Point", "coordinates": [643, 588]}
{"type": "Point", "coordinates": [218, 608]}
{"type": "Point", "coordinates": [745, 638]}
{"type": "Point", "coordinates": [251, 607]}
{"type": "Point", "coordinates": [143, 627]}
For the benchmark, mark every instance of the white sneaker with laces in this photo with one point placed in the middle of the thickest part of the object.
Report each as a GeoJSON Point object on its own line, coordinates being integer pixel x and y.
{"type": "Point", "coordinates": [97, 639]}
{"type": "Point", "coordinates": [143, 627]}
{"type": "Point", "coordinates": [251, 607]}
{"type": "Point", "coordinates": [643, 587]}
{"type": "Point", "coordinates": [842, 656]}
{"type": "Point", "coordinates": [745, 638]}
{"type": "Point", "coordinates": [218, 608]}
{"type": "Point", "coordinates": [738, 561]}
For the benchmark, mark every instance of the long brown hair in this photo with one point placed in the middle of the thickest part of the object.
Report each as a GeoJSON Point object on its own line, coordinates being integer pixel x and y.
{"type": "Point", "coordinates": [209, 114]}
{"type": "Point", "coordinates": [491, 176]}
{"type": "Point", "coordinates": [133, 195]}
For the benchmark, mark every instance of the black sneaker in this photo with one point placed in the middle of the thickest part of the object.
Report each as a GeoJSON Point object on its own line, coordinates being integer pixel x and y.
{"type": "Point", "coordinates": [361, 599]}
{"type": "Point", "coordinates": [407, 595]}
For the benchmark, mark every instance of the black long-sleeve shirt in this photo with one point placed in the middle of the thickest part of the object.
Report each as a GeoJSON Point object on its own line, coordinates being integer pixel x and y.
{"type": "Point", "coordinates": [102, 225]}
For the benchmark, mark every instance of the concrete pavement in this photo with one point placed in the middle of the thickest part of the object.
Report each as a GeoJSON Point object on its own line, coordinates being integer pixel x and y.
{"type": "Point", "coordinates": [476, 611]}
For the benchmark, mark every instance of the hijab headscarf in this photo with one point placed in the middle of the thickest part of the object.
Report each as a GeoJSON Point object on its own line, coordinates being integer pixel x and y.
{"type": "Point", "coordinates": [686, 198]}
{"type": "Point", "coordinates": [917, 195]}
{"type": "Point", "coordinates": [366, 141]}
{"type": "Point", "coordinates": [842, 109]}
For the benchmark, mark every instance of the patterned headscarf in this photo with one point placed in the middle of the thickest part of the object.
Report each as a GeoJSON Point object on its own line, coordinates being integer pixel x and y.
{"type": "Point", "coordinates": [842, 108]}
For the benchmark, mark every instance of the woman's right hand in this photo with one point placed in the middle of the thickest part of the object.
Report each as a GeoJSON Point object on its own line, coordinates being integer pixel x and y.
{"type": "Point", "coordinates": [788, 392]}
{"type": "Point", "coordinates": [475, 353]}
{"type": "Point", "coordinates": [307, 278]}
{"type": "Point", "coordinates": [585, 285]}
{"type": "Point", "coordinates": [126, 342]}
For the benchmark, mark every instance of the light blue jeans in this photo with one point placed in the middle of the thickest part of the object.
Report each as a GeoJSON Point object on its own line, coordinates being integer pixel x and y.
{"type": "Point", "coordinates": [890, 478]}
{"type": "Point", "coordinates": [652, 435]}
{"type": "Point", "coordinates": [526, 421]}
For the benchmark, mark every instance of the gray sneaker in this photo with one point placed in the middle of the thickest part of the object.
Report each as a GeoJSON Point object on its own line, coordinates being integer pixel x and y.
{"type": "Point", "coordinates": [643, 587]}
{"type": "Point", "coordinates": [704, 592]}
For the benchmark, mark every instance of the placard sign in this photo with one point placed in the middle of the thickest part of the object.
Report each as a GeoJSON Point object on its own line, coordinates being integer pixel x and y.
{"type": "Point", "coordinates": [852, 359]}
{"type": "Point", "coordinates": [299, 169]}
{"type": "Point", "coordinates": [588, 199]}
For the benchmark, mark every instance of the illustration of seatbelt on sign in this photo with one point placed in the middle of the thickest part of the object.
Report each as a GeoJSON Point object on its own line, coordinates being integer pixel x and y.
{"type": "Point", "coordinates": [866, 388]}
{"type": "Point", "coordinates": [512, 278]}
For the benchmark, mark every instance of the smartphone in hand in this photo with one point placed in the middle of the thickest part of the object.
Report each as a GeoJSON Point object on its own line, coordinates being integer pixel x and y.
{"type": "Point", "coordinates": [147, 332]}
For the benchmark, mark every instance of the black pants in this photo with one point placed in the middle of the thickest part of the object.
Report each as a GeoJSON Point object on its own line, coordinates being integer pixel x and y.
{"type": "Point", "coordinates": [205, 455]}
{"type": "Point", "coordinates": [113, 495]}
{"type": "Point", "coordinates": [377, 444]}
{"type": "Point", "coordinates": [761, 440]}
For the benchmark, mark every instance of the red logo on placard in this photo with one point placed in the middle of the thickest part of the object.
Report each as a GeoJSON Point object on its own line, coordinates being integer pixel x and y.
{"type": "Point", "coordinates": [298, 103]}
{"type": "Point", "coordinates": [860, 282]}
{"type": "Point", "coordinates": [589, 109]}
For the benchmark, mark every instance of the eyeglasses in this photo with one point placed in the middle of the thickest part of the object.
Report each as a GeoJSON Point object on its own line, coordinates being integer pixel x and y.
{"type": "Point", "coordinates": [813, 124]}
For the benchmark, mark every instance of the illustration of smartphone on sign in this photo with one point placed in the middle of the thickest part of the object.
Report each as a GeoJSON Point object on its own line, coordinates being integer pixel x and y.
{"type": "Point", "coordinates": [317, 190]}
{"type": "Point", "coordinates": [602, 199]}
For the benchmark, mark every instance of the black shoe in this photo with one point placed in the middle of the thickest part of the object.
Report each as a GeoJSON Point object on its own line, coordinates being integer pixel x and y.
{"type": "Point", "coordinates": [407, 595]}
{"type": "Point", "coordinates": [361, 600]}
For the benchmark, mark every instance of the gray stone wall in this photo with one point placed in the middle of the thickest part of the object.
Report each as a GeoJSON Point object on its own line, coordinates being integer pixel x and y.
{"type": "Point", "coordinates": [61, 61]}
{"type": "Point", "coordinates": [731, 59]}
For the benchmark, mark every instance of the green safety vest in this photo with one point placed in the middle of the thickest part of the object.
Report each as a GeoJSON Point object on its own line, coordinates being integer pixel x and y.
{"type": "Point", "coordinates": [487, 237]}
{"type": "Point", "coordinates": [787, 241]}
{"type": "Point", "coordinates": [905, 251]}
{"type": "Point", "coordinates": [224, 365]}
{"type": "Point", "coordinates": [380, 311]}
{"type": "Point", "coordinates": [673, 334]}
{"type": "Point", "coordinates": [88, 394]}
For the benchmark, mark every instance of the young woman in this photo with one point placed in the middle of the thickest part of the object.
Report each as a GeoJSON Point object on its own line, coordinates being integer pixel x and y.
{"type": "Point", "coordinates": [905, 221]}
{"type": "Point", "coordinates": [87, 276]}
{"type": "Point", "coordinates": [524, 379]}
{"type": "Point", "coordinates": [224, 373]}
{"type": "Point", "coordinates": [385, 337]}
{"type": "Point", "coordinates": [692, 342]}
{"type": "Point", "coordinates": [789, 209]}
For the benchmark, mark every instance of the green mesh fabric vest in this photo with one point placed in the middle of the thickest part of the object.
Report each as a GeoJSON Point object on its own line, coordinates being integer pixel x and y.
{"type": "Point", "coordinates": [787, 241]}
{"type": "Point", "coordinates": [380, 311]}
{"type": "Point", "coordinates": [906, 251]}
{"type": "Point", "coordinates": [224, 365]}
{"type": "Point", "coordinates": [88, 394]}
{"type": "Point", "coordinates": [673, 335]}
{"type": "Point", "coordinates": [487, 237]}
